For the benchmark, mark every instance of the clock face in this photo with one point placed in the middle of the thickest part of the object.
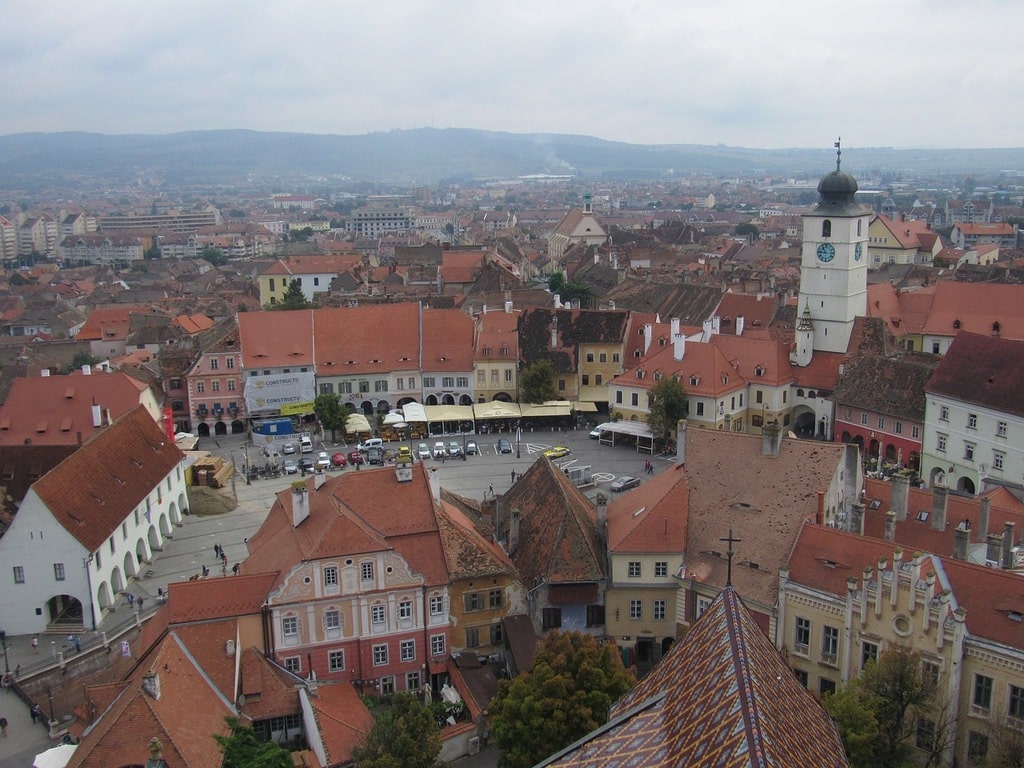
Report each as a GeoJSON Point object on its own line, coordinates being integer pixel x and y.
{"type": "Point", "coordinates": [858, 251]}
{"type": "Point", "coordinates": [826, 252]}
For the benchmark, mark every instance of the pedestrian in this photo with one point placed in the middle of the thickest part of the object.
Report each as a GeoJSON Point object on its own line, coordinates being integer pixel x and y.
{"type": "Point", "coordinates": [71, 642]}
{"type": "Point", "coordinates": [513, 475]}
{"type": "Point", "coordinates": [78, 641]}
{"type": "Point", "coordinates": [37, 714]}
{"type": "Point", "coordinates": [216, 551]}
{"type": "Point", "coordinates": [490, 490]}
{"type": "Point", "coordinates": [3, 726]}
{"type": "Point", "coordinates": [140, 604]}
{"type": "Point", "coordinates": [235, 568]}
{"type": "Point", "coordinates": [35, 644]}
{"type": "Point", "coordinates": [224, 558]}
{"type": "Point", "coordinates": [131, 600]}
{"type": "Point", "coordinates": [206, 571]}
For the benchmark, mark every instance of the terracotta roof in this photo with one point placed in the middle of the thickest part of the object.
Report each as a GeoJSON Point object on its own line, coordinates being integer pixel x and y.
{"type": "Point", "coordinates": [885, 385]}
{"type": "Point", "coordinates": [282, 338]}
{"type": "Point", "coordinates": [447, 340]}
{"type": "Point", "coordinates": [313, 264]}
{"type": "Point", "coordinates": [748, 354]}
{"type": "Point", "coordinates": [112, 322]}
{"type": "Point", "coordinates": [721, 696]}
{"type": "Point", "coordinates": [58, 410]}
{"type": "Point", "coordinates": [757, 310]}
{"type": "Point", "coordinates": [343, 719]}
{"type": "Point", "coordinates": [982, 370]}
{"type": "Point", "coordinates": [354, 513]}
{"type": "Point", "coordinates": [558, 540]}
{"type": "Point", "coordinates": [367, 339]}
{"type": "Point", "coordinates": [714, 374]}
{"type": "Point", "coordinates": [467, 553]}
{"type": "Point", "coordinates": [651, 518]}
{"type": "Point", "coordinates": [976, 307]}
{"type": "Point", "coordinates": [96, 488]}
{"type": "Point", "coordinates": [207, 599]}
{"type": "Point", "coordinates": [187, 713]}
{"type": "Point", "coordinates": [764, 505]}
{"type": "Point", "coordinates": [572, 327]}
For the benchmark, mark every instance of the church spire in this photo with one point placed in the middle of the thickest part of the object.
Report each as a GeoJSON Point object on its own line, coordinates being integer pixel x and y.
{"type": "Point", "coordinates": [839, 153]}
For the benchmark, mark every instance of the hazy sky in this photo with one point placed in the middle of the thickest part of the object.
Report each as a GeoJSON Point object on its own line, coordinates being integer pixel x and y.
{"type": "Point", "coordinates": [791, 73]}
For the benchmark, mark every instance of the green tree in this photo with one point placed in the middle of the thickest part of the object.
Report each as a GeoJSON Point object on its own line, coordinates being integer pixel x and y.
{"type": "Point", "coordinates": [404, 735]}
{"type": "Point", "coordinates": [214, 255]}
{"type": "Point", "coordinates": [536, 383]}
{"type": "Point", "coordinates": [856, 722]}
{"type": "Point", "coordinates": [153, 252]}
{"type": "Point", "coordinates": [80, 359]}
{"type": "Point", "coordinates": [576, 291]}
{"type": "Point", "coordinates": [573, 683]}
{"type": "Point", "coordinates": [555, 282]}
{"type": "Point", "coordinates": [243, 750]}
{"type": "Point", "coordinates": [332, 415]}
{"type": "Point", "coordinates": [293, 298]}
{"type": "Point", "coordinates": [746, 228]}
{"type": "Point", "coordinates": [667, 404]}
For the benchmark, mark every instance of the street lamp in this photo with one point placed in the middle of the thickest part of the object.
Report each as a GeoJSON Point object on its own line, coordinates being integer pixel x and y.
{"type": "Point", "coordinates": [3, 642]}
{"type": "Point", "coordinates": [49, 695]}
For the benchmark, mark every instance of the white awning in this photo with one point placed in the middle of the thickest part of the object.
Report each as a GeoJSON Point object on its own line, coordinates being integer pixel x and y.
{"type": "Point", "coordinates": [496, 409]}
{"type": "Point", "coordinates": [449, 412]}
{"type": "Point", "coordinates": [584, 406]}
{"type": "Point", "coordinates": [414, 412]}
{"type": "Point", "coordinates": [357, 422]}
{"type": "Point", "coordinates": [547, 409]}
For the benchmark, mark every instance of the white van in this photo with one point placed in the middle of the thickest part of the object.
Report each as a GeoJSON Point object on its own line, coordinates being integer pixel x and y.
{"type": "Point", "coordinates": [305, 444]}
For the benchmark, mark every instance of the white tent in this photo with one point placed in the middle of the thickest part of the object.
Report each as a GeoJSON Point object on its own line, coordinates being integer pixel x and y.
{"type": "Point", "coordinates": [55, 757]}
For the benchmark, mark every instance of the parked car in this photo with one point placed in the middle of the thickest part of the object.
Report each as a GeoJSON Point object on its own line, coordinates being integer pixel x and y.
{"type": "Point", "coordinates": [373, 442]}
{"type": "Point", "coordinates": [306, 464]}
{"type": "Point", "coordinates": [290, 467]}
{"type": "Point", "coordinates": [624, 483]}
{"type": "Point", "coordinates": [423, 451]}
{"type": "Point", "coordinates": [338, 460]}
{"type": "Point", "coordinates": [404, 455]}
{"type": "Point", "coordinates": [288, 448]}
{"type": "Point", "coordinates": [557, 452]}
{"type": "Point", "coordinates": [504, 446]}
{"type": "Point", "coordinates": [323, 461]}
{"type": "Point", "coordinates": [440, 451]}
{"type": "Point", "coordinates": [454, 449]}
{"type": "Point", "coordinates": [471, 449]}
{"type": "Point", "coordinates": [375, 455]}
{"type": "Point", "coordinates": [595, 434]}
{"type": "Point", "coordinates": [355, 457]}
{"type": "Point", "coordinates": [305, 444]}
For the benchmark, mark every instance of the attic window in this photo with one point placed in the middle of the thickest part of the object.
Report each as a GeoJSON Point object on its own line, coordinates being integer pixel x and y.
{"type": "Point", "coordinates": [759, 371]}
{"type": "Point", "coordinates": [657, 375]}
{"type": "Point", "coordinates": [750, 564]}
{"type": "Point", "coordinates": [5, 424]}
{"type": "Point", "coordinates": [41, 427]}
{"type": "Point", "coordinates": [922, 516]}
{"type": "Point", "coordinates": [996, 328]}
{"type": "Point", "coordinates": [65, 426]}
{"type": "Point", "coordinates": [1015, 616]}
{"type": "Point", "coordinates": [69, 393]}
{"type": "Point", "coordinates": [487, 352]}
{"type": "Point", "coordinates": [640, 373]}
{"type": "Point", "coordinates": [694, 380]}
{"type": "Point", "coordinates": [504, 351]}
{"type": "Point", "coordinates": [957, 324]}
{"type": "Point", "coordinates": [875, 504]}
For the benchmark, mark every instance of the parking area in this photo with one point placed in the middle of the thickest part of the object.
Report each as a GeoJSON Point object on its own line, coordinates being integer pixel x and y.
{"type": "Point", "coordinates": [496, 457]}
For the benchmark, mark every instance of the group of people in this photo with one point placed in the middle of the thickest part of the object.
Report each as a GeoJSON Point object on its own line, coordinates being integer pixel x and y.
{"type": "Point", "coordinates": [648, 467]}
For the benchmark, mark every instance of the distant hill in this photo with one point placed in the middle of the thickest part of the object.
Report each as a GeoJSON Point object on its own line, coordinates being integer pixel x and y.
{"type": "Point", "coordinates": [429, 155]}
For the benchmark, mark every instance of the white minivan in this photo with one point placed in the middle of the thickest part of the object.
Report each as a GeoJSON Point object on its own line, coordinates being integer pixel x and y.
{"type": "Point", "coordinates": [305, 444]}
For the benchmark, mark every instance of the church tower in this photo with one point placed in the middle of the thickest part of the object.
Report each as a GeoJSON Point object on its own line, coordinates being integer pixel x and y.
{"type": "Point", "coordinates": [833, 265]}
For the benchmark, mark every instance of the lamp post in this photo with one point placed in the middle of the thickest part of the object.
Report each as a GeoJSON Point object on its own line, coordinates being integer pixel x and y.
{"type": "Point", "coordinates": [86, 562]}
{"type": "Point", "coordinates": [3, 642]}
{"type": "Point", "coordinates": [49, 696]}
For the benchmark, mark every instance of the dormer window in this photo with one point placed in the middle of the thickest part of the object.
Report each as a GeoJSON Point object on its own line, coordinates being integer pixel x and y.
{"type": "Point", "coordinates": [639, 373]}
{"type": "Point", "coordinates": [657, 375]}
{"type": "Point", "coordinates": [957, 324]}
{"type": "Point", "coordinates": [694, 381]}
{"type": "Point", "coordinates": [759, 371]}
{"type": "Point", "coordinates": [487, 351]}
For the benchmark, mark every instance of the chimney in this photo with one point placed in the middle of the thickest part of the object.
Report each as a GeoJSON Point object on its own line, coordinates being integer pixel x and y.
{"type": "Point", "coordinates": [151, 684]}
{"type": "Point", "coordinates": [993, 548]}
{"type": "Point", "coordinates": [45, 372]}
{"type": "Point", "coordinates": [403, 472]}
{"type": "Point", "coordinates": [300, 502]}
{"type": "Point", "coordinates": [97, 416]}
{"type": "Point", "coordinates": [857, 519]}
{"type": "Point", "coordinates": [508, 307]}
{"type": "Point", "coordinates": [961, 537]}
{"type": "Point", "coordinates": [1007, 559]}
{"type": "Point", "coordinates": [894, 585]}
{"type": "Point", "coordinates": [770, 439]}
{"type": "Point", "coordinates": [706, 332]}
{"type": "Point", "coordinates": [648, 336]}
{"type": "Point", "coordinates": [740, 321]}
{"type": "Point", "coordinates": [681, 442]}
{"type": "Point", "coordinates": [483, 310]}
{"type": "Point", "coordinates": [86, 370]}
{"type": "Point", "coordinates": [716, 325]}
{"type": "Point", "coordinates": [319, 478]}
{"type": "Point", "coordinates": [513, 532]}
{"type": "Point", "coordinates": [890, 523]}
{"type": "Point", "coordinates": [898, 499]}
{"type": "Point", "coordinates": [558, 301]}
{"type": "Point", "coordinates": [940, 500]}
{"type": "Point", "coordinates": [678, 347]}
{"type": "Point", "coordinates": [601, 501]}
{"type": "Point", "coordinates": [674, 326]}
{"type": "Point", "coordinates": [983, 517]}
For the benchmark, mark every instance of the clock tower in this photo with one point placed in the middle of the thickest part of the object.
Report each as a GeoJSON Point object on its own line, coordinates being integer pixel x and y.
{"type": "Point", "coordinates": [833, 265]}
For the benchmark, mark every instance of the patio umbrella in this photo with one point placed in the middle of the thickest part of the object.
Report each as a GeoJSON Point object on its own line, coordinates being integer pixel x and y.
{"type": "Point", "coordinates": [55, 757]}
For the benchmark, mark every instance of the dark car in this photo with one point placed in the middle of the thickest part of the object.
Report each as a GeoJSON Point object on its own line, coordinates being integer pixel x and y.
{"type": "Point", "coordinates": [306, 464]}
{"type": "Point", "coordinates": [624, 483]}
{"type": "Point", "coordinates": [471, 449]}
{"type": "Point", "coordinates": [504, 446]}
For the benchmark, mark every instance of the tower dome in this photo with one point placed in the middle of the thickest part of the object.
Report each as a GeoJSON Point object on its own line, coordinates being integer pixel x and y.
{"type": "Point", "coordinates": [837, 191]}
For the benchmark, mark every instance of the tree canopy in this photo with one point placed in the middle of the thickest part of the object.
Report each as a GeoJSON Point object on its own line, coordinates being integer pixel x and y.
{"type": "Point", "coordinates": [879, 713]}
{"type": "Point", "coordinates": [667, 404]}
{"type": "Point", "coordinates": [293, 298]}
{"type": "Point", "coordinates": [404, 735]}
{"type": "Point", "coordinates": [331, 412]}
{"type": "Point", "coordinates": [574, 682]}
{"type": "Point", "coordinates": [242, 749]}
{"type": "Point", "coordinates": [536, 383]}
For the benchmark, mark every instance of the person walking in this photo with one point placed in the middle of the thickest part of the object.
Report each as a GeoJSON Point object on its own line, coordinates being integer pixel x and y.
{"type": "Point", "coordinates": [37, 714]}
{"type": "Point", "coordinates": [78, 643]}
{"type": "Point", "coordinates": [35, 644]}
{"type": "Point", "coordinates": [141, 600]}
{"type": "Point", "coordinates": [3, 726]}
{"type": "Point", "coordinates": [235, 568]}
{"type": "Point", "coordinates": [131, 600]}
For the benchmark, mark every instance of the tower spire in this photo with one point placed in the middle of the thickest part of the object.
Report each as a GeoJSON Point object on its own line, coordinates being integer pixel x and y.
{"type": "Point", "coordinates": [839, 151]}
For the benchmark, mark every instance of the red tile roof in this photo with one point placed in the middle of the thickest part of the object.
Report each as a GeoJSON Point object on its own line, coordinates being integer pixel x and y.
{"type": "Point", "coordinates": [983, 370]}
{"type": "Point", "coordinates": [651, 518]}
{"type": "Point", "coordinates": [58, 410]}
{"type": "Point", "coordinates": [977, 306]}
{"type": "Point", "coordinates": [282, 338]}
{"type": "Point", "coordinates": [447, 340]}
{"type": "Point", "coordinates": [96, 488]}
{"type": "Point", "coordinates": [369, 339]}
{"type": "Point", "coordinates": [106, 323]}
{"type": "Point", "coordinates": [208, 599]}
{"type": "Point", "coordinates": [343, 719]}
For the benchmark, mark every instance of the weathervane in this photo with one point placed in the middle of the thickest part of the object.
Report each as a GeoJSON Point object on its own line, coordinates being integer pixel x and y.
{"type": "Point", "coordinates": [729, 553]}
{"type": "Point", "coordinates": [839, 151]}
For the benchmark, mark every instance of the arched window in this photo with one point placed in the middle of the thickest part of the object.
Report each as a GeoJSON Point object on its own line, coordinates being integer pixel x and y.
{"type": "Point", "coordinates": [859, 222]}
{"type": "Point", "coordinates": [826, 228]}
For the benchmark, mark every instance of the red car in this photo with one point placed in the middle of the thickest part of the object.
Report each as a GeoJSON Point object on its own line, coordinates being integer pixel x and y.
{"type": "Point", "coordinates": [338, 460]}
{"type": "Point", "coordinates": [355, 457]}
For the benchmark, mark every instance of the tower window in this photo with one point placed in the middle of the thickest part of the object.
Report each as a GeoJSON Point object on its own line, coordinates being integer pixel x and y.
{"type": "Point", "coordinates": [826, 228]}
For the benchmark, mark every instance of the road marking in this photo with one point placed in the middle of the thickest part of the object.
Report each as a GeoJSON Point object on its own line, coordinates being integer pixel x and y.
{"type": "Point", "coordinates": [602, 477]}
{"type": "Point", "coordinates": [536, 448]}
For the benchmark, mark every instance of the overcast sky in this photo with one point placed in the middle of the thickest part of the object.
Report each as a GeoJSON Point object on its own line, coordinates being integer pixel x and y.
{"type": "Point", "coordinates": [791, 73]}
